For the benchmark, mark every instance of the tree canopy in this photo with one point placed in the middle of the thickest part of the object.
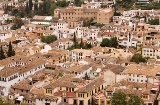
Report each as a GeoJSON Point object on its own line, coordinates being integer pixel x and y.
{"type": "Point", "coordinates": [17, 23]}
{"type": "Point", "coordinates": [135, 100]}
{"type": "Point", "coordinates": [78, 2]}
{"type": "Point", "coordinates": [138, 58]}
{"type": "Point", "coordinates": [121, 98]}
{"type": "Point", "coordinates": [48, 39]}
{"type": "Point", "coordinates": [154, 22]}
{"type": "Point", "coordinates": [109, 42]}
{"type": "Point", "coordinates": [62, 3]}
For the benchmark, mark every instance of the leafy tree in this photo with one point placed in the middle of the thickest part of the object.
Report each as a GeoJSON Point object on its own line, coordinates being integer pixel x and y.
{"type": "Point", "coordinates": [10, 50]}
{"type": "Point", "coordinates": [2, 56]}
{"type": "Point", "coordinates": [135, 100]}
{"type": "Point", "coordinates": [53, 7]}
{"type": "Point", "coordinates": [114, 42]}
{"type": "Point", "coordinates": [138, 58]}
{"type": "Point", "coordinates": [48, 39]}
{"type": "Point", "coordinates": [46, 7]}
{"type": "Point", "coordinates": [119, 98]}
{"type": "Point", "coordinates": [109, 42]}
{"type": "Point", "coordinates": [62, 3]}
{"type": "Point", "coordinates": [17, 23]}
{"type": "Point", "coordinates": [105, 43]}
{"type": "Point", "coordinates": [154, 22]}
{"type": "Point", "coordinates": [30, 4]}
{"type": "Point", "coordinates": [88, 46]}
{"type": "Point", "coordinates": [15, 12]}
{"type": "Point", "coordinates": [87, 23]}
{"type": "Point", "coordinates": [22, 14]}
{"type": "Point", "coordinates": [78, 2]}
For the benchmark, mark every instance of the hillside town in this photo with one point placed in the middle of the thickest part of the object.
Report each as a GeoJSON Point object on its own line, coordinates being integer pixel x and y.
{"type": "Point", "coordinates": [80, 52]}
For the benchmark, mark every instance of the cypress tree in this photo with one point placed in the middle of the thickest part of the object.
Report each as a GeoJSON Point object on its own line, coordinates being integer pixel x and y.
{"type": "Point", "coordinates": [2, 56]}
{"type": "Point", "coordinates": [75, 40]}
{"type": "Point", "coordinates": [35, 7]}
{"type": "Point", "coordinates": [30, 4]}
{"type": "Point", "coordinates": [81, 44]}
{"type": "Point", "coordinates": [10, 51]}
{"type": "Point", "coordinates": [27, 8]}
{"type": "Point", "coordinates": [13, 53]}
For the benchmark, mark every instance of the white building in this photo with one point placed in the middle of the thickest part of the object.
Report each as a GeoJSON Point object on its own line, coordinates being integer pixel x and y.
{"type": "Point", "coordinates": [142, 73]}
{"type": "Point", "coordinates": [78, 54]}
{"type": "Point", "coordinates": [5, 35]}
{"type": "Point", "coordinates": [128, 42]}
{"type": "Point", "coordinates": [18, 69]}
{"type": "Point", "coordinates": [151, 52]}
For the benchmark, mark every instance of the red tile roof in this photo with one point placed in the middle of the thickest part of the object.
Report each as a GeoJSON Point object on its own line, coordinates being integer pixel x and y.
{"type": "Point", "coordinates": [108, 33]}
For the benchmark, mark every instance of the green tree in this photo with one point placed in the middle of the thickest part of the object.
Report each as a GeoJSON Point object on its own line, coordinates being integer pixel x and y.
{"type": "Point", "coordinates": [78, 2]}
{"type": "Point", "coordinates": [75, 40]}
{"type": "Point", "coordinates": [48, 39]}
{"type": "Point", "coordinates": [10, 50]}
{"type": "Point", "coordinates": [46, 7]}
{"type": "Point", "coordinates": [138, 58]}
{"type": "Point", "coordinates": [30, 5]}
{"type": "Point", "coordinates": [17, 23]}
{"type": "Point", "coordinates": [81, 43]}
{"type": "Point", "coordinates": [62, 3]}
{"type": "Point", "coordinates": [35, 8]}
{"type": "Point", "coordinates": [105, 43]}
{"type": "Point", "coordinates": [119, 98]}
{"type": "Point", "coordinates": [88, 46]}
{"type": "Point", "coordinates": [15, 12]}
{"type": "Point", "coordinates": [2, 56]}
{"type": "Point", "coordinates": [135, 100]}
{"type": "Point", "coordinates": [40, 9]}
{"type": "Point", "coordinates": [51, 11]}
{"type": "Point", "coordinates": [27, 8]}
{"type": "Point", "coordinates": [154, 22]}
{"type": "Point", "coordinates": [109, 42]}
{"type": "Point", "coordinates": [114, 42]}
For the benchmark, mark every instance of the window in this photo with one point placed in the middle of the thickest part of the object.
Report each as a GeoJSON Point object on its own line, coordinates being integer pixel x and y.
{"type": "Point", "coordinates": [102, 102]}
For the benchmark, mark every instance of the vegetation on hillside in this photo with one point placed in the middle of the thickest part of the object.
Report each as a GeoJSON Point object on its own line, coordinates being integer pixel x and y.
{"type": "Point", "coordinates": [137, 58]}
{"type": "Point", "coordinates": [153, 22]}
{"type": "Point", "coordinates": [121, 98]}
{"type": "Point", "coordinates": [80, 45]}
{"type": "Point", "coordinates": [48, 39]}
{"type": "Point", "coordinates": [113, 42]}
